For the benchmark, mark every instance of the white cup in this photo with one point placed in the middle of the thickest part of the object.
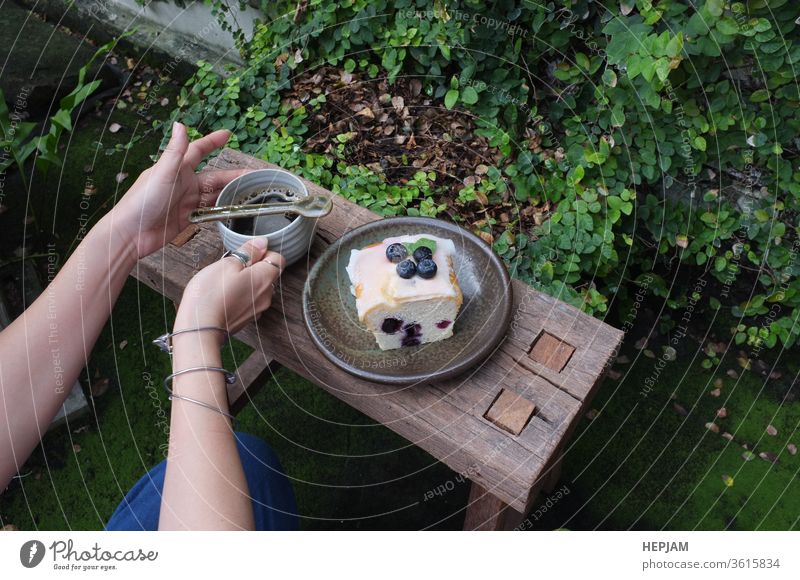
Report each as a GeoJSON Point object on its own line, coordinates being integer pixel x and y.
{"type": "Point", "coordinates": [291, 240]}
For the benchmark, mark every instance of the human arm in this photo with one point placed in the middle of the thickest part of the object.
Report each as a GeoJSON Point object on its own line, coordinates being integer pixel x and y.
{"type": "Point", "coordinates": [43, 351]}
{"type": "Point", "coordinates": [205, 486]}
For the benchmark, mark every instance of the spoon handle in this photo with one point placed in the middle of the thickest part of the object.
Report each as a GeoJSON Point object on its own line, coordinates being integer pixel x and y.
{"type": "Point", "coordinates": [209, 214]}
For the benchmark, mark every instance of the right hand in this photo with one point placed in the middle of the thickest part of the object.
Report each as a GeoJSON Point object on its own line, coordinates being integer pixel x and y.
{"type": "Point", "coordinates": [229, 295]}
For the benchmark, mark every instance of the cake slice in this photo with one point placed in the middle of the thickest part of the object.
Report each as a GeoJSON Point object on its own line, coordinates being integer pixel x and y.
{"type": "Point", "coordinates": [406, 289]}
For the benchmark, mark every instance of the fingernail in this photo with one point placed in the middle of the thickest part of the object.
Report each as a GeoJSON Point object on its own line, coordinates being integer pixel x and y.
{"type": "Point", "coordinates": [260, 243]}
{"type": "Point", "coordinates": [175, 127]}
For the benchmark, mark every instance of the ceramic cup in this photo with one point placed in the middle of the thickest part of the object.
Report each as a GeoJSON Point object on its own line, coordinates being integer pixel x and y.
{"type": "Point", "coordinates": [291, 238]}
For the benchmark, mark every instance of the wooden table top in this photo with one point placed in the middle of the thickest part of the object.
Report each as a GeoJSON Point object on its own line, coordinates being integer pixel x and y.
{"type": "Point", "coordinates": [480, 424]}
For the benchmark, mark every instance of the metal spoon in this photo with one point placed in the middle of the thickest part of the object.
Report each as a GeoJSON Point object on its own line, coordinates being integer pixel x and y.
{"type": "Point", "coordinates": [311, 206]}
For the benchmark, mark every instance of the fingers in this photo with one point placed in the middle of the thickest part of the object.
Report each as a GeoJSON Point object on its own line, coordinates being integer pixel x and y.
{"type": "Point", "coordinates": [263, 274]}
{"type": "Point", "coordinates": [172, 157]}
{"type": "Point", "coordinates": [201, 147]}
{"type": "Point", "coordinates": [255, 249]}
{"type": "Point", "coordinates": [212, 182]}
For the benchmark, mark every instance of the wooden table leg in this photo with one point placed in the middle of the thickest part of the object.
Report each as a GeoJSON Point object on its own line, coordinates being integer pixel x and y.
{"type": "Point", "coordinates": [486, 512]}
{"type": "Point", "coordinates": [251, 376]}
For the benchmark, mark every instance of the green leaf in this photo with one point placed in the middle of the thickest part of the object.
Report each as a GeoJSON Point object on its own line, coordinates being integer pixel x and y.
{"type": "Point", "coordinates": [675, 46]}
{"type": "Point", "coordinates": [728, 26]}
{"type": "Point", "coordinates": [715, 7]}
{"type": "Point", "coordinates": [700, 143]}
{"type": "Point", "coordinates": [450, 98]}
{"type": "Point", "coordinates": [469, 96]}
{"type": "Point", "coordinates": [759, 96]}
{"type": "Point", "coordinates": [420, 243]}
{"type": "Point", "coordinates": [617, 116]}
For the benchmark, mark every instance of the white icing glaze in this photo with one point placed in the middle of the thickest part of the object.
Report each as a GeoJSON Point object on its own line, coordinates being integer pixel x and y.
{"type": "Point", "coordinates": [381, 285]}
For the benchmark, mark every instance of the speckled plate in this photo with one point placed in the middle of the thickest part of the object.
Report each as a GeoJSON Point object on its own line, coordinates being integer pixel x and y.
{"type": "Point", "coordinates": [329, 308]}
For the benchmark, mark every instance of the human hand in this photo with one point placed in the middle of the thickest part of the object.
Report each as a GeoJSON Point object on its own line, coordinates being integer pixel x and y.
{"type": "Point", "coordinates": [228, 294]}
{"type": "Point", "coordinates": [156, 207]}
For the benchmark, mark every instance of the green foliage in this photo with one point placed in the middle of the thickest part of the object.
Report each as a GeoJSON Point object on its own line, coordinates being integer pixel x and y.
{"type": "Point", "coordinates": [624, 122]}
{"type": "Point", "coordinates": [16, 134]}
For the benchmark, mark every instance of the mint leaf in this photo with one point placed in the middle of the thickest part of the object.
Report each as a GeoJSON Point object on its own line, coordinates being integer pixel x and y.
{"type": "Point", "coordinates": [422, 242]}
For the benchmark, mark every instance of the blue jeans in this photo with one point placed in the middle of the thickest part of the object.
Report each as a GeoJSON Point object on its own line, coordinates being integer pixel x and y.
{"type": "Point", "coordinates": [274, 506]}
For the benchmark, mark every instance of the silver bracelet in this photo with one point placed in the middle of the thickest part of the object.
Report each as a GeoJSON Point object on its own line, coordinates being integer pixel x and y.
{"type": "Point", "coordinates": [230, 377]}
{"type": "Point", "coordinates": [164, 342]}
{"type": "Point", "coordinates": [202, 404]}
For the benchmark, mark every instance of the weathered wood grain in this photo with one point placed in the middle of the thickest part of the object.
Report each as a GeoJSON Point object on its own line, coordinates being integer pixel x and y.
{"type": "Point", "coordinates": [446, 418]}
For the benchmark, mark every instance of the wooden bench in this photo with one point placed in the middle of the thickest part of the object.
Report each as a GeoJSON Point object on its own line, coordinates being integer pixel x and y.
{"type": "Point", "coordinates": [503, 425]}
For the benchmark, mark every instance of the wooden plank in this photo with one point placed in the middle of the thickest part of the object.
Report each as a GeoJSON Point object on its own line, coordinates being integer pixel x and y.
{"type": "Point", "coordinates": [446, 418]}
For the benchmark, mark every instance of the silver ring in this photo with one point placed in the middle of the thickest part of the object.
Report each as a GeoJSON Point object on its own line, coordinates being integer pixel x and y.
{"type": "Point", "coordinates": [268, 261]}
{"type": "Point", "coordinates": [243, 257]}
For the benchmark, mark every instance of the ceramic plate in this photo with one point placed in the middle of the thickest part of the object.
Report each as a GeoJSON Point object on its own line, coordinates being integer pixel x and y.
{"type": "Point", "coordinates": [329, 307]}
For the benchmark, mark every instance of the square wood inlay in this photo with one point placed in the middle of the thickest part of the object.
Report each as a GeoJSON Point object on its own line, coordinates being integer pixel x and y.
{"type": "Point", "coordinates": [510, 411]}
{"type": "Point", "coordinates": [552, 352]}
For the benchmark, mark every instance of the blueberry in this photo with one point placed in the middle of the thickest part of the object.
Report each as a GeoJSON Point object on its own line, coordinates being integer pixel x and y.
{"type": "Point", "coordinates": [391, 325]}
{"type": "Point", "coordinates": [396, 253]}
{"type": "Point", "coordinates": [406, 269]}
{"type": "Point", "coordinates": [410, 341]}
{"type": "Point", "coordinates": [413, 329]}
{"type": "Point", "coordinates": [426, 268]}
{"type": "Point", "coordinates": [422, 253]}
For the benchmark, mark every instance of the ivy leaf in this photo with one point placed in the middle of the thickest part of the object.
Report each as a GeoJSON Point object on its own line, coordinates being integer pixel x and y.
{"type": "Point", "coordinates": [450, 98]}
{"type": "Point", "coordinates": [420, 243]}
{"type": "Point", "coordinates": [617, 116]}
{"type": "Point", "coordinates": [715, 7]}
{"type": "Point", "coordinates": [469, 96]}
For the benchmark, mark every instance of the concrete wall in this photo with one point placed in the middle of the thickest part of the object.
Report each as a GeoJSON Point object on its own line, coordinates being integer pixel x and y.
{"type": "Point", "coordinates": [162, 26]}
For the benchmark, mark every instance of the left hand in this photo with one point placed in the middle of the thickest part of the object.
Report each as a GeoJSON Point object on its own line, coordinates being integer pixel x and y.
{"type": "Point", "coordinates": [156, 207]}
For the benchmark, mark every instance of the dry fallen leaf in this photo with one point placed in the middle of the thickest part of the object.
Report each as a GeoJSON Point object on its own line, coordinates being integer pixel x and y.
{"type": "Point", "coordinates": [718, 383]}
{"type": "Point", "coordinates": [727, 436]}
{"type": "Point", "coordinates": [771, 430]}
{"type": "Point", "coordinates": [114, 127]}
{"type": "Point", "coordinates": [732, 374]}
{"type": "Point", "coordinates": [713, 427]}
{"type": "Point", "coordinates": [722, 412]}
{"type": "Point", "coordinates": [76, 448]}
{"type": "Point", "coordinates": [715, 393]}
{"type": "Point", "coordinates": [792, 449]}
{"type": "Point", "coordinates": [769, 456]}
{"type": "Point", "coordinates": [123, 344]}
{"type": "Point", "coordinates": [680, 409]}
{"type": "Point", "coordinates": [121, 177]}
{"type": "Point", "coordinates": [398, 103]}
{"type": "Point", "coordinates": [164, 102]}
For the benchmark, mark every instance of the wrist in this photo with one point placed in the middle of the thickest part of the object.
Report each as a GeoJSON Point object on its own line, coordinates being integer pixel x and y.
{"type": "Point", "coordinates": [119, 242]}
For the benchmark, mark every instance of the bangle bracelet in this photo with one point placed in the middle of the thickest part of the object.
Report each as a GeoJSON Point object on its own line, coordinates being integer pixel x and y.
{"type": "Point", "coordinates": [164, 342]}
{"type": "Point", "coordinates": [202, 404]}
{"type": "Point", "coordinates": [230, 377]}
